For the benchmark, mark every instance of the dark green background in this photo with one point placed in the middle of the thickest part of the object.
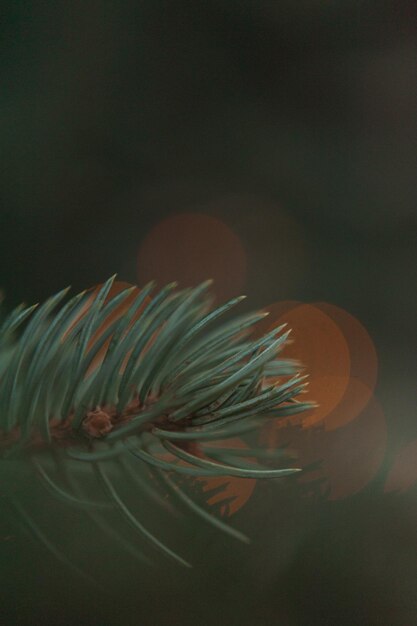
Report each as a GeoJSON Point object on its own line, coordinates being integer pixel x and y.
{"type": "Point", "coordinates": [117, 114]}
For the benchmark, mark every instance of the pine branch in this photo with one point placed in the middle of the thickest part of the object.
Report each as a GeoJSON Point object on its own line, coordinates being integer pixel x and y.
{"type": "Point", "coordinates": [116, 374]}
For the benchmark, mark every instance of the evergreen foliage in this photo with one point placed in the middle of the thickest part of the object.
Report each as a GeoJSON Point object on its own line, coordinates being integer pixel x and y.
{"type": "Point", "coordinates": [81, 384]}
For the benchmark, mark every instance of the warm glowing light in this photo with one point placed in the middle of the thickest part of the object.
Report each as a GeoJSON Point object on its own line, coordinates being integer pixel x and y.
{"type": "Point", "coordinates": [363, 366]}
{"type": "Point", "coordinates": [191, 247]}
{"type": "Point", "coordinates": [353, 402]}
{"type": "Point", "coordinates": [276, 311]}
{"type": "Point", "coordinates": [321, 347]}
{"type": "Point", "coordinates": [236, 491]}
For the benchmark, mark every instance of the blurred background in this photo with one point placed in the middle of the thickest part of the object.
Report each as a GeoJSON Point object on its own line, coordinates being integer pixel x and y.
{"type": "Point", "coordinates": [272, 147]}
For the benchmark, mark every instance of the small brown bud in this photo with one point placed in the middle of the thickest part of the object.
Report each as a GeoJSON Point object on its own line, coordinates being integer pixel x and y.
{"type": "Point", "coordinates": [97, 423]}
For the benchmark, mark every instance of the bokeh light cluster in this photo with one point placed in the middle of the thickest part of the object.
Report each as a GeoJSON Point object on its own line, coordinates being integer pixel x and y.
{"type": "Point", "coordinates": [342, 443]}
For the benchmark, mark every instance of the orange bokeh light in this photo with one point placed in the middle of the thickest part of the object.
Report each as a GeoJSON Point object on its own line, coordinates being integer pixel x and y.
{"type": "Point", "coordinates": [239, 490]}
{"type": "Point", "coordinates": [276, 312]}
{"type": "Point", "coordinates": [338, 354]}
{"type": "Point", "coordinates": [363, 366]}
{"type": "Point", "coordinates": [190, 248]}
{"type": "Point", "coordinates": [321, 347]}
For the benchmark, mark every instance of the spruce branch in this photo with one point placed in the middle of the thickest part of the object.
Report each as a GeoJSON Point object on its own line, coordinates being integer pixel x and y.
{"type": "Point", "coordinates": [141, 382]}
